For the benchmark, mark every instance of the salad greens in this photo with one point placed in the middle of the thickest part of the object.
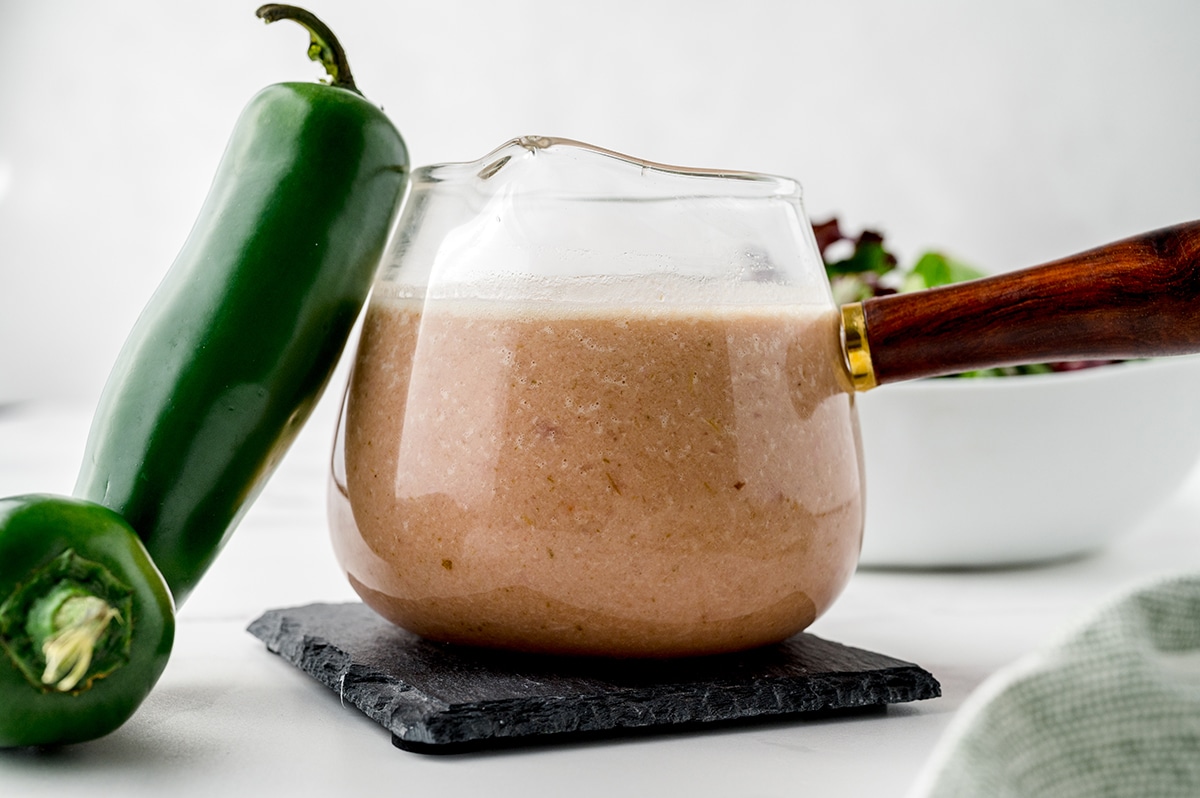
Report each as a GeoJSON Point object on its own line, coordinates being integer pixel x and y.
{"type": "Point", "coordinates": [870, 270]}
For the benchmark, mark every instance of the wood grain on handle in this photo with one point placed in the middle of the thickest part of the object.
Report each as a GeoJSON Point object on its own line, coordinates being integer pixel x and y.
{"type": "Point", "coordinates": [1139, 297]}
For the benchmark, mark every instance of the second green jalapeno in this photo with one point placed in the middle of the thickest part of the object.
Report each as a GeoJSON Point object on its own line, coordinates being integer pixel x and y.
{"type": "Point", "coordinates": [236, 345]}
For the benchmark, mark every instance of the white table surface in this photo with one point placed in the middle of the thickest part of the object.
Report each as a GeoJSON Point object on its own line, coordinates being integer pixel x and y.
{"type": "Point", "coordinates": [229, 715]}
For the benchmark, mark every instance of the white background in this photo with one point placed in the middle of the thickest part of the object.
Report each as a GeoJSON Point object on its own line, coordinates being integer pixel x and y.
{"type": "Point", "coordinates": [1006, 133]}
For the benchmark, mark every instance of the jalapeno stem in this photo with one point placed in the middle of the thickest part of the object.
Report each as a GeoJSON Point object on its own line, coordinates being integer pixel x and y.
{"type": "Point", "coordinates": [57, 626]}
{"type": "Point", "coordinates": [324, 47]}
{"type": "Point", "coordinates": [81, 622]}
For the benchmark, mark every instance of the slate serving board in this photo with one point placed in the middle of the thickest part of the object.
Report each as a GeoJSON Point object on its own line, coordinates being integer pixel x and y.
{"type": "Point", "coordinates": [436, 698]}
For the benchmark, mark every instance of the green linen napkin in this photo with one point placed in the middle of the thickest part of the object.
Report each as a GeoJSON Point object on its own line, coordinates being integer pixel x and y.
{"type": "Point", "coordinates": [1112, 710]}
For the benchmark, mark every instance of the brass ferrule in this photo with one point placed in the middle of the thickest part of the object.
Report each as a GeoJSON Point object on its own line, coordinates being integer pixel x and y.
{"type": "Point", "coordinates": [856, 348]}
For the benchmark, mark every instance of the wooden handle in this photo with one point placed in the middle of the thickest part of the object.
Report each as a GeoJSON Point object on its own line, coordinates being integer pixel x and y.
{"type": "Point", "coordinates": [1139, 297]}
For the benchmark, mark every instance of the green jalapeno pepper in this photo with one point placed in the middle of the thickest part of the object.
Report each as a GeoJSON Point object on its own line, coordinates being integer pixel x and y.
{"type": "Point", "coordinates": [236, 345]}
{"type": "Point", "coordinates": [218, 374]}
{"type": "Point", "coordinates": [86, 621]}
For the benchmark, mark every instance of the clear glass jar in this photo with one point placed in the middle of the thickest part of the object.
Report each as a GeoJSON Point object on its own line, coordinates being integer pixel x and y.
{"type": "Point", "coordinates": [599, 407]}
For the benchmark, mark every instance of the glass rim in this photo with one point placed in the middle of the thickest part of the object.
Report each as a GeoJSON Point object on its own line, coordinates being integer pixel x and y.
{"type": "Point", "coordinates": [747, 183]}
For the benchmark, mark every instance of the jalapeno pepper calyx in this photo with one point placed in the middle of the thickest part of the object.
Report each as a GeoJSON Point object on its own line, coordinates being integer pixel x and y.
{"type": "Point", "coordinates": [323, 47]}
{"type": "Point", "coordinates": [69, 650]}
{"type": "Point", "coordinates": [57, 627]}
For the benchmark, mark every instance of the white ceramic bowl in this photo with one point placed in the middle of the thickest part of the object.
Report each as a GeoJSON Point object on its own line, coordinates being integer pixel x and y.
{"type": "Point", "coordinates": [1016, 470]}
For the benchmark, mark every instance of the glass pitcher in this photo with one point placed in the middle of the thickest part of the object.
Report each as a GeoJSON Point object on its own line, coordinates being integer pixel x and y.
{"type": "Point", "coordinates": [599, 407]}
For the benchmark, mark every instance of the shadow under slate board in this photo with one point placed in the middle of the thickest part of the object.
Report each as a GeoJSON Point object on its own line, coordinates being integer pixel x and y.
{"type": "Point", "coordinates": [436, 698]}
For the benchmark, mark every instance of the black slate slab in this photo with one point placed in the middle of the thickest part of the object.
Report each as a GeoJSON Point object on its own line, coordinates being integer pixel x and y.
{"type": "Point", "coordinates": [436, 698]}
